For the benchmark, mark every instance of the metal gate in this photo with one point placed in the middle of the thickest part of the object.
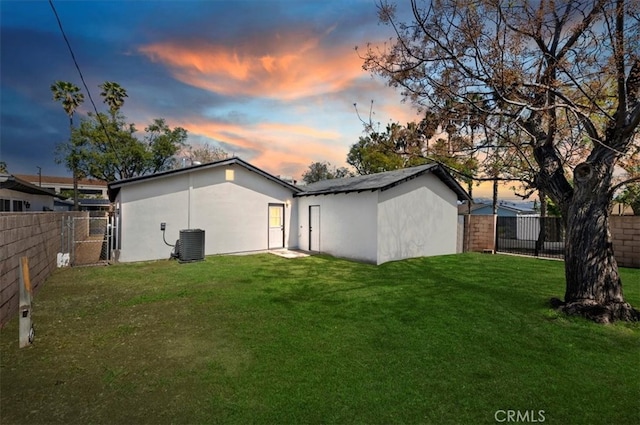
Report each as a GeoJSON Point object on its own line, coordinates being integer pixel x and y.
{"type": "Point", "coordinates": [88, 240]}
{"type": "Point", "coordinates": [531, 235]}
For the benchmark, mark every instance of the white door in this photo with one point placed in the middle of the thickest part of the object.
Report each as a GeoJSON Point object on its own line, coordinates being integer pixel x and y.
{"type": "Point", "coordinates": [314, 228]}
{"type": "Point", "coordinates": [276, 226]}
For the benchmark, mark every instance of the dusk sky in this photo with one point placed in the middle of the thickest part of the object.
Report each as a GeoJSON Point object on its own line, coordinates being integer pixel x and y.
{"type": "Point", "coordinates": [273, 82]}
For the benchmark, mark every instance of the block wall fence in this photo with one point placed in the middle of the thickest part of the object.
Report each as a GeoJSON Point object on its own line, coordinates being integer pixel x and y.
{"type": "Point", "coordinates": [625, 232]}
{"type": "Point", "coordinates": [36, 236]}
{"type": "Point", "coordinates": [479, 233]}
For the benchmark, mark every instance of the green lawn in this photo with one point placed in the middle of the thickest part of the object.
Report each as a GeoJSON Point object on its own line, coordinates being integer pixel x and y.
{"type": "Point", "coordinates": [262, 339]}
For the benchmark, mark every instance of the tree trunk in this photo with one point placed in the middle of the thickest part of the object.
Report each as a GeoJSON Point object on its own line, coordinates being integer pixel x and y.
{"type": "Point", "coordinates": [593, 285]}
{"type": "Point", "coordinates": [494, 203]}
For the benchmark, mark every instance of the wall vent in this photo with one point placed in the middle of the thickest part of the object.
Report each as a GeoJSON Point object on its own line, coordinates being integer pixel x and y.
{"type": "Point", "coordinates": [191, 245]}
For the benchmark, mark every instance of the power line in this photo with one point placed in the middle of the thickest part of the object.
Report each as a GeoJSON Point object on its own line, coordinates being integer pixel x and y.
{"type": "Point", "coordinates": [73, 56]}
{"type": "Point", "coordinates": [75, 62]}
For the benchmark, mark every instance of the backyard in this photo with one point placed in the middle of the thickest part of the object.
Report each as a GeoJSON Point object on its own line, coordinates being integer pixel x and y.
{"type": "Point", "coordinates": [460, 339]}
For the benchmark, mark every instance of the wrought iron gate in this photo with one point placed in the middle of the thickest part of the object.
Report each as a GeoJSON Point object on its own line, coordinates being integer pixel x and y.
{"type": "Point", "coordinates": [531, 235]}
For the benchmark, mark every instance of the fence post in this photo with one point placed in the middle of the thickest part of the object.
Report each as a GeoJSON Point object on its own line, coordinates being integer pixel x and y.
{"type": "Point", "coordinates": [495, 233]}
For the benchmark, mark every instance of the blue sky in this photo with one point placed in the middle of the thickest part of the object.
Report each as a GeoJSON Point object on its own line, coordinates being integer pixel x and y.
{"type": "Point", "coordinates": [273, 82]}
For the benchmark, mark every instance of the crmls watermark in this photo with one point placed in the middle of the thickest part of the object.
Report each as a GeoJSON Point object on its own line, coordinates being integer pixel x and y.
{"type": "Point", "coordinates": [528, 416]}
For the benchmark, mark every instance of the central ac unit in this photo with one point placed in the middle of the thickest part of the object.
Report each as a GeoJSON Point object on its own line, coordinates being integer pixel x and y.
{"type": "Point", "coordinates": [191, 245]}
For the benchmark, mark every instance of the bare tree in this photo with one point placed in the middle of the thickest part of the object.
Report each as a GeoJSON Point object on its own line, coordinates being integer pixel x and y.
{"type": "Point", "coordinates": [206, 153]}
{"type": "Point", "coordinates": [561, 75]}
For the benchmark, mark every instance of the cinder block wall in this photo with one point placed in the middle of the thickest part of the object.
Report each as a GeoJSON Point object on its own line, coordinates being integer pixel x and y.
{"type": "Point", "coordinates": [36, 236]}
{"type": "Point", "coordinates": [479, 232]}
{"type": "Point", "coordinates": [625, 232]}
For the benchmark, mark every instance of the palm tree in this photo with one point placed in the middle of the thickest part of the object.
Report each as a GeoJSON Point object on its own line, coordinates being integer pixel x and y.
{"type": "Point", "coordinates": [113, 94]}
{"type": "Point", "coordinates": [71, 98]}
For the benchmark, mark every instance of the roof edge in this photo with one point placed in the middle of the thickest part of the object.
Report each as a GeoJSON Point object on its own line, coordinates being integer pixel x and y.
{"type": "Point", "coordinates": [434, 167]}
{"type": "Point", "coordinates": [114, 187]}
{"type": "Point", "coordinates": [11, 182]}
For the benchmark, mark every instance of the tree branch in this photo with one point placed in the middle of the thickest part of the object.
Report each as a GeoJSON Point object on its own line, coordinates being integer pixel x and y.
{"type": "Point", "coordinates": [624, 183]}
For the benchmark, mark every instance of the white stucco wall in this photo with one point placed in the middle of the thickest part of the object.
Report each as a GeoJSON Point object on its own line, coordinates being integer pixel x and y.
{"type": "Point", "coordinates": [143, 207]}
{"type": "Point", "coordinates": [37, 203]}
{"type": "Point", "coordinates": [347, 224]}
{"type": "Point", "coordinates": [233, 214]}
{"type": "Point", "coordinates": [417, 219]}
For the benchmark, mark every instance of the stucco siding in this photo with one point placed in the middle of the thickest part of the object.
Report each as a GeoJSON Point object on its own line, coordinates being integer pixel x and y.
{"type": "Point", "coordinates": [347, 224]}
{"type": "Point", "coordinates": [37, 203]}
{"type": "Point", "coordinates": [417, 219]}
{"type": "Point", "coordinates": [233, 213]}
{"type": "Point", "coordinates": [142, 208]}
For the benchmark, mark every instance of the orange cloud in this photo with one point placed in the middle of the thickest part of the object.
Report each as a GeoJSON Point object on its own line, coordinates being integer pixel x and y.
{"type": "Point", "coordinates": [279, 148]}
{"type": "Point", "coordinates": [285, 67]}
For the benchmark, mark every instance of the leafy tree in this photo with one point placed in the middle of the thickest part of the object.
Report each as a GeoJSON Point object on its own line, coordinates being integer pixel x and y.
{"type": "Point", "coordinates": [110, 150]}
{"type": "Point", "coordinates": [556, 74]}
{"type": "Point", "coordinates": [107, 147]}
{"type": "Point", "coordinates": [163, 143]}
{"type": "Point", "coordinates": [71, 98]}
{"type": "Point", "coordinates": [113, 95]}
{"type": "Point", "coordinates": [413, 144]}
{"type": "Point", "coordinates": [3, 167]}
{"type": "Point", "coordinates": [382, 151]}
{"type": "Point", "coordinates": [324, 171]}
{"type": "Point", "coordinates": [631, 196]}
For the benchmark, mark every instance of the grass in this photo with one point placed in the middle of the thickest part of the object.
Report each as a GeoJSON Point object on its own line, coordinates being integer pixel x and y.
{"type": "Point", "coordinates": [261, 339]}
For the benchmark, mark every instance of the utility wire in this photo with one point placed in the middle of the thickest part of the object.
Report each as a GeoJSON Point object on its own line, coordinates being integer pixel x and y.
{"type": "Point", "coordinates": [75, 62]}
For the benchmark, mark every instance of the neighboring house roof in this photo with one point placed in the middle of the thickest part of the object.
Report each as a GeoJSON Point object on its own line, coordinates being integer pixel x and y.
{"type": "Point", "coordinates": [382, 181]}
{"type": "Point", "coordinates": [115, 187]}
{"type": "Point", "coordinates": [464, 208]}
{"type": "Point", "coordinates": [11, 182]}
{"type": "Point", "coordinates": [60, 180]}
{"type": "Point", "coordinates": [517, 209]}
{"type": "Point", "coordinates": [90, 202]}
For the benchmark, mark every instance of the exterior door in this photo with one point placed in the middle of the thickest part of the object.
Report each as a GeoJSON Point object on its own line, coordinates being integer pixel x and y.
{"type": "Point", "coordinates": [276, 226]}
{"type": "Point", "coordinates": [314, 228]}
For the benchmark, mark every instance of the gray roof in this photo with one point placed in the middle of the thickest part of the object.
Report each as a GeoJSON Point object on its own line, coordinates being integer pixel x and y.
{"type": "Point", "coordinates": [11, 182]}
{"type": "Point", "coordinates": [382, 181]}
{"type": "Point", "coordinates": [464, 208]}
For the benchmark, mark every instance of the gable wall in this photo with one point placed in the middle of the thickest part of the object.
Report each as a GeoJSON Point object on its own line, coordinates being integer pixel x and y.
{"type": "Point", "coordinates": [143, 206]}
{"type": "Point", "coordinates": [233, 214]}
{"type": "Point", "coordinates": [417, 218]}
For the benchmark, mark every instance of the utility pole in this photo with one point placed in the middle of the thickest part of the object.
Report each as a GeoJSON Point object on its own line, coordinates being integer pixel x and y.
{"type": "Point", "coordinates": [39, 176]}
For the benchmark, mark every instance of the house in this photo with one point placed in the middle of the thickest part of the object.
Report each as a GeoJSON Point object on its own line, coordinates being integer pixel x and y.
{"type": "Point", "coordinates": [87, 188]}
{"type": "Point", "coordinates": [505, 209]}
{"type": "Point", "coordinates": [382, 217]}
{"type": "Point", "coordinates": [240, 208]}
{"type": "Point", "coordinates": [18, 195]}
{"type": "Point", "coordinates": [376, 218]}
